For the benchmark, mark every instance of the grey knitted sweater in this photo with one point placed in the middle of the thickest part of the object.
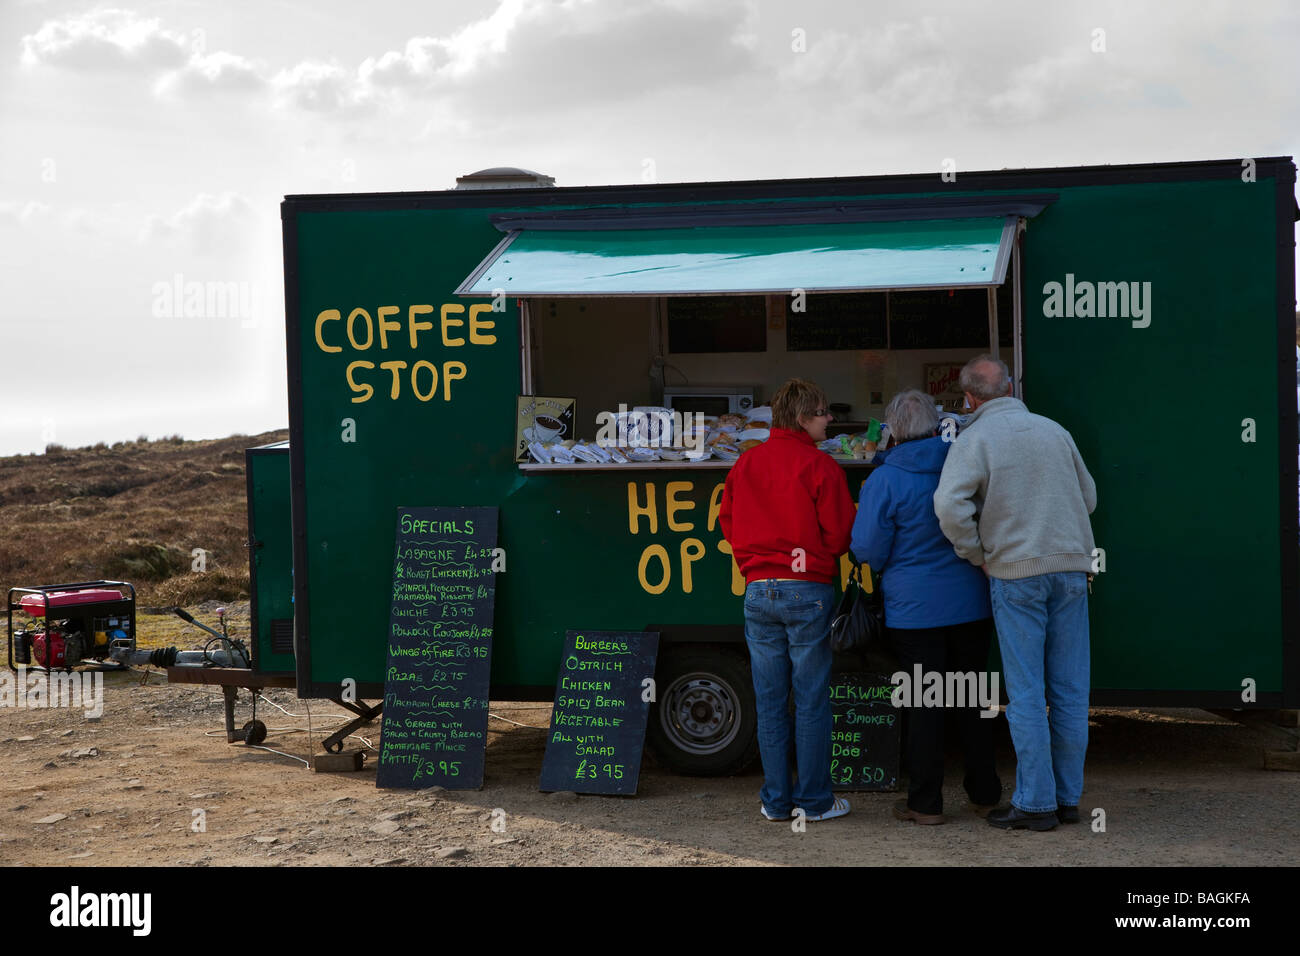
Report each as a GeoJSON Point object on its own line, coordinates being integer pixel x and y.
{"type": "Point", "coordinates": [1015, 495]}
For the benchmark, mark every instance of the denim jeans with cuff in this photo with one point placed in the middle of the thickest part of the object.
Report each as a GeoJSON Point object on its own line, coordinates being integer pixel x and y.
{"type": "Point", "coordinates": [787, 628]}
{"type": "Point", "coordinates": [1042, 624]}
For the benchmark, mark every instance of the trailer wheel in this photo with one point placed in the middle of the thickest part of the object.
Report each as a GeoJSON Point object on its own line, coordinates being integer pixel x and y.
{"type": "Point", "coordinates": [703, 722]}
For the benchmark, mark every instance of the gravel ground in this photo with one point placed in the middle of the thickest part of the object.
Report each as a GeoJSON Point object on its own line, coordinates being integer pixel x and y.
{"type": "Point", "coordinates": [153, 781]}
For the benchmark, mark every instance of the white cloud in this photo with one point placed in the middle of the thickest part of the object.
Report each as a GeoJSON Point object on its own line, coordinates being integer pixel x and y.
{"type": "Point", "coordinates": [948, 68]}
{"type": "Point", "coordinates": [413, 66]}
{"type": "Point", "coordinates": [1054, 84]}
{"type": "Point", "coordinates": [536, 50]}
{"type": "Point", "coordinates": [105, 39]}
{"type": "Point", "coordinates": [211, 72]}
{"type": "Point", "coordinates": [320, 88]}
{"type": "Point", "coordinates": [591, 52]}
{"type": "Point", "coordinates": [23, 213]}
{"type": "Point", "coordinates": [116, 39]}
{"type": "Point", "coordinates": [562, 51]}
{"type": "Point", "coordinates": [207, 223]}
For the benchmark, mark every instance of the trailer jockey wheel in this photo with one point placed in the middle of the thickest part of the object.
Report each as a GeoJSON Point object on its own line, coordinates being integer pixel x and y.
{"type": "Point", "coordinates": [254, 732]}
{"type": "Point", "coordinates": [336, 748]}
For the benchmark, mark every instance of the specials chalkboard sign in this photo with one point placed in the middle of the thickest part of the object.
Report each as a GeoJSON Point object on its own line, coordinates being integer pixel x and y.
{"type": "Point", "coordinates": [865, 729]}
{"type": "Point", "coordinates": [439, 649]}
{"type": "Point", "coordinates": [836, 320]}
{"type": "Point", "coordinates": [599, 719]}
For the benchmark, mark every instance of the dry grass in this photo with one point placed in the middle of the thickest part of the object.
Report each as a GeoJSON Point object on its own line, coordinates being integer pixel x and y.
{"type": "Point", "coordinates": [132, 512]}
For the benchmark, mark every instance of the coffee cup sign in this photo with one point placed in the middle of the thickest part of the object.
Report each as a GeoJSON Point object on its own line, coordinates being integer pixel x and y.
{"type": "Point", "coordinates": [541, 419]}
{"type": "Point", "coordinates": [546, 428]}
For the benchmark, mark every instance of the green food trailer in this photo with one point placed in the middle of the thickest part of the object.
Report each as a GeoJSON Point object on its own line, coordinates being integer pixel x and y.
{"type": "Point", "coordinates": [1148, 308]}
{"type": "Point", "coordinates": [270, 558]}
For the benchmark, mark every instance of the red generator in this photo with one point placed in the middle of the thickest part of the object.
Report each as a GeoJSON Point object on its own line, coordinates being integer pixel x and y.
{"type": "Point", "coordinates": [62, 625]}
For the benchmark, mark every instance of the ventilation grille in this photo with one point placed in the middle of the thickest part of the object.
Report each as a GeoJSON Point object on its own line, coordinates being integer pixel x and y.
{"type": "Point", "coordinates": [282, 635]}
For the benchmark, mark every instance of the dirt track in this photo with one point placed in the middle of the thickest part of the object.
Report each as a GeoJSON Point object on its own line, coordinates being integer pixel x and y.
{"type": "Point", "coordinates": [1177, 787]}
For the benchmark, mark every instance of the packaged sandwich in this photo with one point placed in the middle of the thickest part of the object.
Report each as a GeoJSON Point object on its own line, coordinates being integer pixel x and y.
{"type": "Point", "coordinates": [561, 454]}
{"type": "Point", "coordinates": [726, 450]}
{"type": "Point", "coordinates": [589, 453]}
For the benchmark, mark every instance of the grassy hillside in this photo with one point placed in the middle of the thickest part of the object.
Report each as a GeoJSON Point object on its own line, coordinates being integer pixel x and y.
{"type": "Point", "coordinates": [131, 512]}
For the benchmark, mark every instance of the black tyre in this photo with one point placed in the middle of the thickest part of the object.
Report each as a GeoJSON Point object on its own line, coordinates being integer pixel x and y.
{"type": "Point", "coordinates": [703, 722]}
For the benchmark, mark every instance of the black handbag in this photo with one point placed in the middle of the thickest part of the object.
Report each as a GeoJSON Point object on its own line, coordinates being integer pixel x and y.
{"type": "Point", "coordinates": [859, 621]}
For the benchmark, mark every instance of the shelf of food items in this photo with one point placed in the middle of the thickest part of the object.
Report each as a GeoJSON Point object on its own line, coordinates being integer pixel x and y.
{"type": "Point", "coordinates": [653, 437]}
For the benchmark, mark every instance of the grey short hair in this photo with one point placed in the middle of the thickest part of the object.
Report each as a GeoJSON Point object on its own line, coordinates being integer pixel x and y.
{"type": "Point", "coordinates": [911, 414]}
{"type": "Point", "coordinates": [985, 377]}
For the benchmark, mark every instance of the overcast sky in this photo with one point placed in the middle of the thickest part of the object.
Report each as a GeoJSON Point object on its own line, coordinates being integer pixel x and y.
{"type": "Point", "coordinates": [151, 142]}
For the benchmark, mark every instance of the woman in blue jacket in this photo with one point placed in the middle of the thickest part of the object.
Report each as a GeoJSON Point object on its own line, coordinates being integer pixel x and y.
{"type": "Point", "coordinates": [937, 611]}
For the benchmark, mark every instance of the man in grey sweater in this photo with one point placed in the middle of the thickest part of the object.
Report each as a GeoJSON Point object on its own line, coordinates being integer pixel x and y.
{"type": "Point", "coordinates": [1014, 498]}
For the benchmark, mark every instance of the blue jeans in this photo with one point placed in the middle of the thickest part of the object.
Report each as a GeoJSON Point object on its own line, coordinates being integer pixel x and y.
{"type": "Point", "coordinates": [787, 627]}
{"type": "Point", "coordinates": [1042, 624]}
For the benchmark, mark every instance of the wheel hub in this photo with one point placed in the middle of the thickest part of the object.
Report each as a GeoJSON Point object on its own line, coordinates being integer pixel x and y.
{"type": "Point", "coordinates": [700, 713]}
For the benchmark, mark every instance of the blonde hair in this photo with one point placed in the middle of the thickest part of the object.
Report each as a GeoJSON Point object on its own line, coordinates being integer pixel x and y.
{"type": "Point", "coordinates": [794, 400]}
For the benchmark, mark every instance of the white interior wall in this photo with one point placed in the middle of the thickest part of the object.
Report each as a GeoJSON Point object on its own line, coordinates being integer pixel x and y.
{"type": "Point", "coordinates": [595, 350]}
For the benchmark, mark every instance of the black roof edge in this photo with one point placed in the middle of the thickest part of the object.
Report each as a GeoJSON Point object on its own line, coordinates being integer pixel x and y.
{"type": "Point", "coordinates": [1041, 177]}
{"type": "Point", "coordinates": [759, 213]}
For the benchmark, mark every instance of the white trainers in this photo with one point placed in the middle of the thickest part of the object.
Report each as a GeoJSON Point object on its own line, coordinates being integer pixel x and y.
{"type": "Point", "coordinates": [763, 810]}
{"type": "Point", "coordinates": [837, 809]}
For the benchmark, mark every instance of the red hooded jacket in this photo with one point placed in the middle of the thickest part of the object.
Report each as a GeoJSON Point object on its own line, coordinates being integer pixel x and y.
{"type": "Point", "coordinates": [783, 495]}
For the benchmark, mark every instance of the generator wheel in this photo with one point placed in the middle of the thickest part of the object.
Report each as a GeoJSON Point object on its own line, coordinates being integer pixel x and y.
{"type": "Point", "coordinates": [703, 722]}
{"type": "Point", "coordinates": [254, 732]}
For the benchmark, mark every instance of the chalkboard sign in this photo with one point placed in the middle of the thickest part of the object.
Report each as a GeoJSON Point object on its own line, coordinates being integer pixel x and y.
{"type": "Point", "coordinates": [849, 320]}
{"type": "Point", "coordinates": [439, 649]}
{"type": "Point", "coordinates": [598, 724]}
{"type": "Point", "coordinates": [865, 729]}
{"type": "Point", "coordinates": [732, 323]}
{"type": "Point", "coordinates": [947, 318]}
{"type": "Point", "coordinates": [939, 319]}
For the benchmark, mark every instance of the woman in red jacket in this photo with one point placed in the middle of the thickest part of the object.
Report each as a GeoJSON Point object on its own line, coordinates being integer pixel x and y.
{"type": "Point", "coordinates": [787, 514]}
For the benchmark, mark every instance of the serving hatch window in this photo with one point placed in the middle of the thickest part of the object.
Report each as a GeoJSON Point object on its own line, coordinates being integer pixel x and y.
{"type": "Point", "coordinates": [618, 317]}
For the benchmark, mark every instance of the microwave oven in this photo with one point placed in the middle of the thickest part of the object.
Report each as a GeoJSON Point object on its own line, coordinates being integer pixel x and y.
{"type": "Point", "coordinates": [711, 399]}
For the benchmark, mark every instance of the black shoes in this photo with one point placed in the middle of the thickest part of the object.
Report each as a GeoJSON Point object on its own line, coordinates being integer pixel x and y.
{"type": "Point", "coordinates": [1013, 818]}
{"type": "Point", "coordinates": [1067, 814]}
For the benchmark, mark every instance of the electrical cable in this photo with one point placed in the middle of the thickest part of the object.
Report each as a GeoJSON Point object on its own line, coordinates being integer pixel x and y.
{"type": "Point", "coordinates": [308, 716]}
{"type": "Point", "coordinates": [516, 723]}
{"type": "Point", "coordinates": [280, 752]}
